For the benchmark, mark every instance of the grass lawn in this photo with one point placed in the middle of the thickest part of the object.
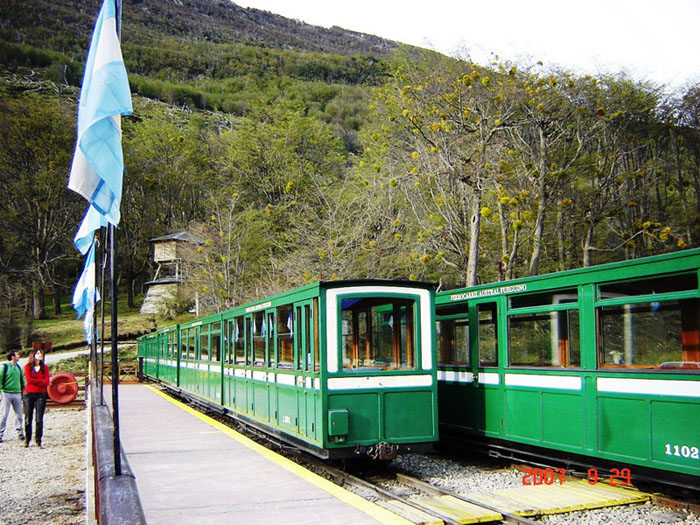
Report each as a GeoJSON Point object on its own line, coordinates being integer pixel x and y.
{"type": "Point", "coordinates": [65, 331]}
{"type": "Point", "coordinates": [127, 355]}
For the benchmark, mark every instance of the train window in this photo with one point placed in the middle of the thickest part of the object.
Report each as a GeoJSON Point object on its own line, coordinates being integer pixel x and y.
{"type": "Point", "coordinates": [204, 347]}
{"type": "Point", "coordinates": [488, 335]}
{"type": "Point", "coordinates": [228, 341]}
{"type": "Point", "coordinates": [270, 333]}
{"type": "Point", "coordinates": [299, 337]}
{"type": "Point", "coordinates": [259, 330]}
{"type": "Point", "coordinates": [285, 336]}
{"type": "Point", "coordinates": [248, 340]}
{"type": "Point", "coordinates": [656, 334]}
{"type": "Point", "coordinates": [452, 335]}
{"type": "Point", "coordinates": [548, 339]}
{"type": "Point", "coordinates": [543, 299]}
{"type": "Point", "coordinates": [453, 341]}
{"type": "Point", "coordinates": [317, 347]}
{"type": "Point", "coordinates": [377, 333]}
{"type": "Point", "coordinates": [191, 344]}
{"type": "Point", "coordinates": [183, 344]}
{"type": "Point", "coordinates": [216, 342]}
{"type": "Point", "coordinates": [665, 284]}
{"type": "Point", "coordinates": [239, 340]}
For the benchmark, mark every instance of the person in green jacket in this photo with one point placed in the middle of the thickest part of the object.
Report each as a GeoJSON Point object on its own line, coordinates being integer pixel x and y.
{"type": "Point", "coordinates": [11, 386]}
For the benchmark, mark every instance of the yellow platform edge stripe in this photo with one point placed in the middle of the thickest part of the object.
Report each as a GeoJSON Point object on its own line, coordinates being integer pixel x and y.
{"type": "Point", "coordinates": [375, 511]}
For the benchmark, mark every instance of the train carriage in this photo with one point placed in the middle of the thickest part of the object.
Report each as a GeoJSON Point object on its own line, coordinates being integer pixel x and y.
{"type": "Point", "coordinates": [599, 362]}
{"type": "Point", "coordinates": [337, 368]}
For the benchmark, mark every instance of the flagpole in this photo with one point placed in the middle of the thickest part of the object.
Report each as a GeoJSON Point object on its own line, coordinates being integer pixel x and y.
{"type": "Point", "coordinates": [103, 265]}
{"type": "Point", "coordinates": [113, 296]}
{"type": "Point", "coordinates": [115, 351]}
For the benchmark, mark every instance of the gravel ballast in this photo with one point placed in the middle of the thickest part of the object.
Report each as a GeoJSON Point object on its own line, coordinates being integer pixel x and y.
{"type": "Point", "coordinates": [45, 485]}
{"type": "Point", "coordinates": [484, 476]}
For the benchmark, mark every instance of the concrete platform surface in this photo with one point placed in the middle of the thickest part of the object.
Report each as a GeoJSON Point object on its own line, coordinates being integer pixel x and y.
{"type": "Point", "coordinates": [192, 469]}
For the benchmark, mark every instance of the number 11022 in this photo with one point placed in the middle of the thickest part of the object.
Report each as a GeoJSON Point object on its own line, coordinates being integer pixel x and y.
{"type": "Point", "coordinates": [682, 451]}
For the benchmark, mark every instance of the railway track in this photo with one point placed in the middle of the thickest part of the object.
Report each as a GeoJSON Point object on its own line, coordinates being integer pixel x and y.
{"type": "Point", "coordinates": [430, 505]}
{"type": "Point", "coordinates": [427, 505]}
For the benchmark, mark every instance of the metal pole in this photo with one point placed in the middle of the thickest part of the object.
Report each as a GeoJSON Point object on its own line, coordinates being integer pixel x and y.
{"type": "Point", "coordinates": [101, 367]}
{"type": "Point", "coordinates": [113, 297]}
{"type": "Point", "coordinates": [93, 343]}
{"type": "Point", "coordinates": [115, 350]}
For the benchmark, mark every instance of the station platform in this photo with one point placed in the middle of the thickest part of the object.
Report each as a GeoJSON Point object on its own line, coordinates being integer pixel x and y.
{"type": "Point", "coordinates": [190, 468]}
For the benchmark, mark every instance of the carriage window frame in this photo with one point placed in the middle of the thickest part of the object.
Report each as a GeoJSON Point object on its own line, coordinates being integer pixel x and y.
{"type": "Point", "coordinates": [284, 316]}
{"type": "Point", "coordinates": [237, 335]}
{"type": "Point", "coordinates": [412, 342]}
{"type": "Point", "coordinates": [631, 300]}
{"type": "Point", "coordinates": [480, 340]}
{"type": "Point", "coordinates": [204, 344]}
{"type": "Point", "coordinates": [544, 308]}
{"type": "Point", "coordinates": [215, 342]}
{"type": "Point", "coordinates": [258, 339]}
{"type": "Point", "coordinates": [451, 319]}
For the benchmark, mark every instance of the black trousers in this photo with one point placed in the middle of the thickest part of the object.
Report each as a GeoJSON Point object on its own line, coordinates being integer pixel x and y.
{"type": "Point", "coordinates": [31, 402]}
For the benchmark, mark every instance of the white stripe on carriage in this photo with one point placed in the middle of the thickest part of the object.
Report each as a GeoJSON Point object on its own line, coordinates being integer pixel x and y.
{"type": "Point", "coordinates": [455, 376]}
{"type": "Point", "coordinates": [317, 383]}
{"type": "Point", "coordinates": [544, 381]}
{"type": "Point", "coordinates": [332, 313]}
{"type": "Point", "coordinates": [285, 379]}
{"type": "Point", "coordinates": [260, 376]}
{"type": "Point", "coordinates": [351, 383]}
{"type": "Point", "coordinates": [239, 372]}
{"type": "Point", "coordinates": [659, 387]}
{"type": "Point", "coordinates": [489, 378]}
{"type": "Point", "coordinates": [309, 382]}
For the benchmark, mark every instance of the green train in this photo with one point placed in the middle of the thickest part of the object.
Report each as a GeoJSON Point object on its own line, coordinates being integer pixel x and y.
{"type": "Point", "coordinates": [600, 364]}
{"type": "Point", "coordinates": [340, 369]}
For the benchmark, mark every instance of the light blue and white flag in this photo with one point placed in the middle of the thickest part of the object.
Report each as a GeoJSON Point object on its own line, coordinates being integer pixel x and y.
{"type": "Point", "coordinates": [86, 295]}
{"type": "Point", "coordinates": [98, 163]}
{"type": "Point", "coordinates": [92, 221]}
{"type": "Point", "coordinates": [88, 327]}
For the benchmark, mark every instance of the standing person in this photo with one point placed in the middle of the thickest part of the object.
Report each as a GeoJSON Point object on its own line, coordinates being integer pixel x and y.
{"type": "Point", "coordinates": [37, 375]}
{"type": "Point", "coordinates": [11, 386]}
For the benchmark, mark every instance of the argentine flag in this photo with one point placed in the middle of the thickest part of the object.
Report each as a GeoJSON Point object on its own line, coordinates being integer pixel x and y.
{"type": "Point", "coordinates": [88, 327]}
{"type": "Point", "coordinates": [92, 221]}
{"type": "Point", "coordinates": [86, 295]}
{"type": "Point", "coordinates": [98, 164]}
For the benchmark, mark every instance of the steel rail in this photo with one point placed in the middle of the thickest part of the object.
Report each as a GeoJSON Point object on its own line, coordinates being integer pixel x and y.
{"type": "Point", "coordinates": [432, 489]}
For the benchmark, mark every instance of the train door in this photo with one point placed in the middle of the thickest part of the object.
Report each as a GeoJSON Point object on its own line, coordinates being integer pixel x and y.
{"type": "Point", "coordinates": [487, 379]}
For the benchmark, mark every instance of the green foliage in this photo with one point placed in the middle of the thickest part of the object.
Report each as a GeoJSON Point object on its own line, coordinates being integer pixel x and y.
{"type": "Point", "coordinates": [10, 335]}
{"type": "Point", "coordinates": [297, 153]}
{"type": "Point", "coordinates": [174, 305]}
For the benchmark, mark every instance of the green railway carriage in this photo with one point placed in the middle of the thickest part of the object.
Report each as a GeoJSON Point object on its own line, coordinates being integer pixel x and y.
{"type": "Point", "coordinates": [599, 363]}
{"type": "Point", "coordinates": [340, 368]}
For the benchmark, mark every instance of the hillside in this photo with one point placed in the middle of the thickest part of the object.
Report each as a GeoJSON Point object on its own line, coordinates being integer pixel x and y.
{"type": "Point", "coordinates": [205, 54]}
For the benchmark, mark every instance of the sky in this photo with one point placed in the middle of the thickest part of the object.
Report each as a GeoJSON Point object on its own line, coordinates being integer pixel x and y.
{"type": "Point", "coordinates": [653, 40]}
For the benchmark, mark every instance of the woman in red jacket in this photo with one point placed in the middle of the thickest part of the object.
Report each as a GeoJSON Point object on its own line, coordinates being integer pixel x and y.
{"type": "Point", "coordinates": [37, 375]}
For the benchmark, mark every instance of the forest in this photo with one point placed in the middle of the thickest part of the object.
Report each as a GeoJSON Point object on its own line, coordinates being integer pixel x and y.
{"type": "Point", "coordinates": [296, 154]}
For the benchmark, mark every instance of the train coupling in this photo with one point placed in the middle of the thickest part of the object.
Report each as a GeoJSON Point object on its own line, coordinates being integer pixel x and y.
{"type": "Point", "coordinates": [383, 451]}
